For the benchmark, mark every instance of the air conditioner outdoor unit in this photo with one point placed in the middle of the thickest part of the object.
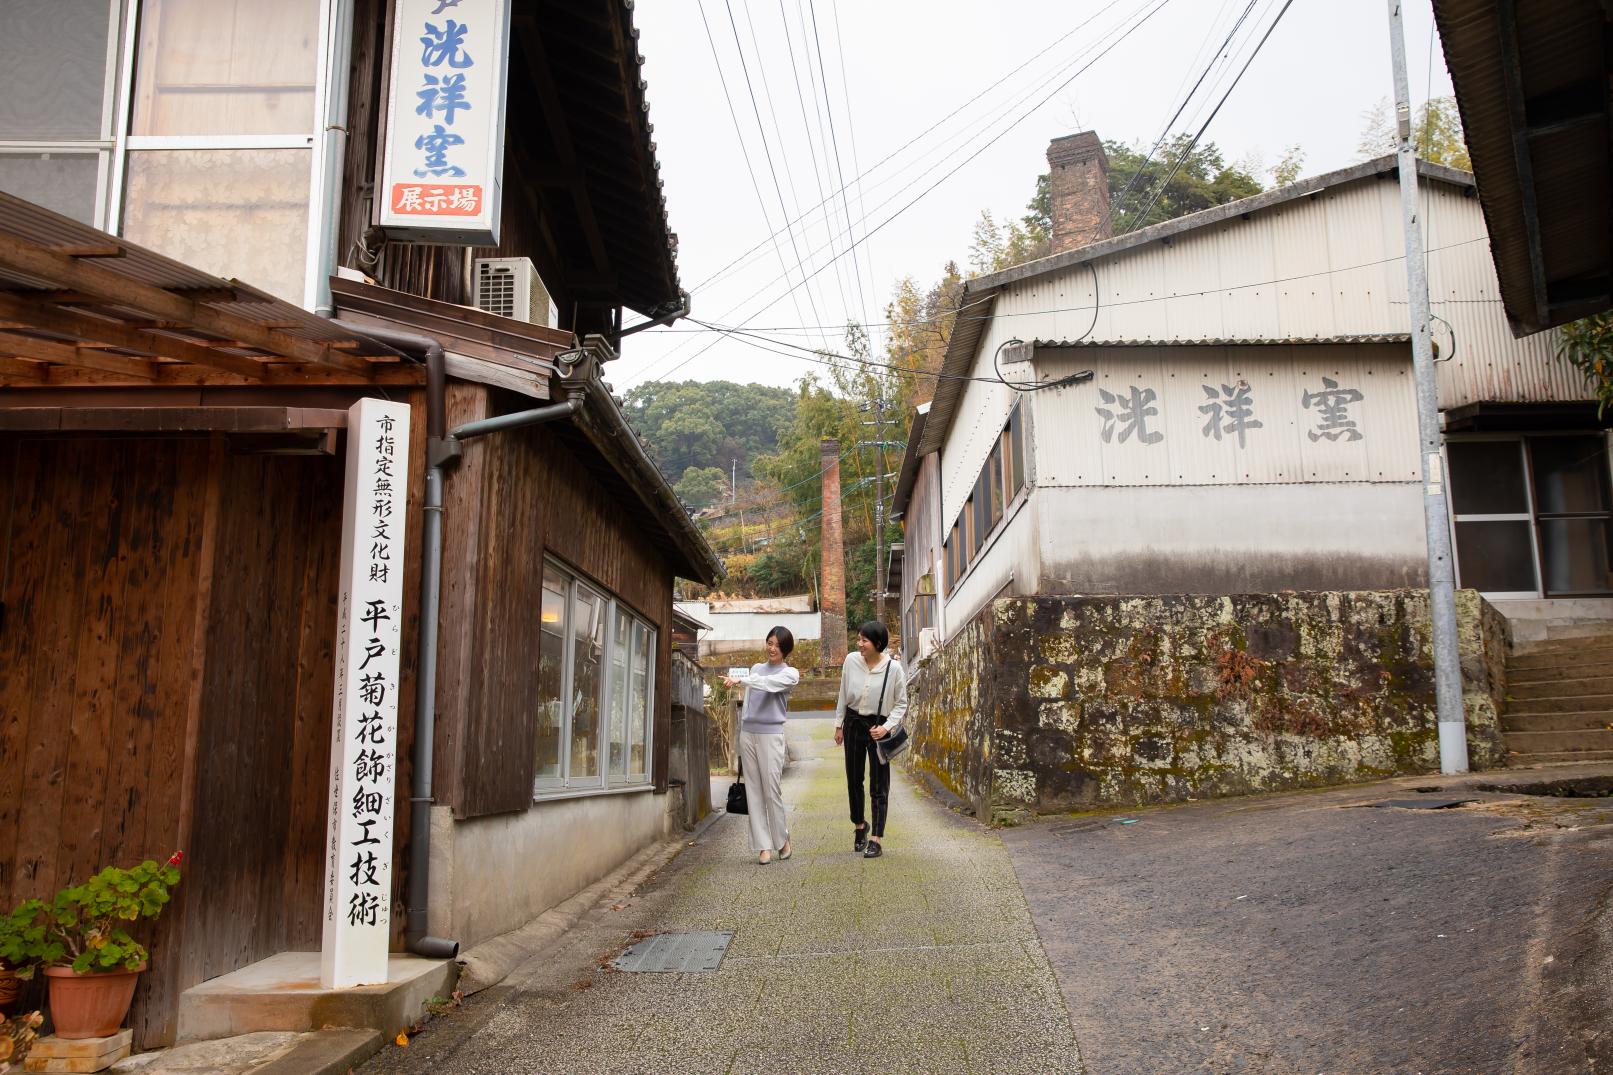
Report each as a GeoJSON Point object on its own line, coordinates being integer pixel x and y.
{"type": "Point", "coordinates": [929, 641]}
{"type": "Point", "coordinates": [510, 287]}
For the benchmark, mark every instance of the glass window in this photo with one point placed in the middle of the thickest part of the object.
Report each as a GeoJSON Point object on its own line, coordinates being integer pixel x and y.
{"type": "Point", "coordinates": [1487, 477]}
{"type": "Point", "coordinates": [64, 183]}
{"type": "Point", "coordinates": [994, 480]}
{"type": "Point", "coordinates": [1570, 474]}
{"type": "Point", "coordinates": [551, 677]}
{"type": "Point", "coordinates": [226, 67]}
{"type": "Point", "coordinates": [621, 645]}
{"type": "Point", "coordinates": [639, 709]}
{"type": "Point", "coordinates": [54, 54]}
{"type": "Point", "coordinates": [587, 683]}
{"type": "Point", "coordinates": [1016, 450]}
{"type": "Point", "coordinates": [237, 213]}
{"type": "Point", "coordinates": [1495, 557]}
{"type": "Point", "coordinates": [1574, 556]}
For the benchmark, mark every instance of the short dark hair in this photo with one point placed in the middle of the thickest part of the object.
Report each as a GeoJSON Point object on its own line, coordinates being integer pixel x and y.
{"type": "Point", "coordinates": [876, 633]}
{"type": "Point", "coordinates": [786, 641]}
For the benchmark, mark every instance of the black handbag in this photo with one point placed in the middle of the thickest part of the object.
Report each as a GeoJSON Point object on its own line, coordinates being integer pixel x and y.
{"type": "Point", "coordinates": [895, 742]}
{"type": "Point", "coordinates": [736, 795]}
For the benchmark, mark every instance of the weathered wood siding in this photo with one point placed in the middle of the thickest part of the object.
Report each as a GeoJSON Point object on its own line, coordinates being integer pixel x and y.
{"type": "Point", "coordinates": [165, 682]}
{"type": "Point", "coordinates": [514, 497]}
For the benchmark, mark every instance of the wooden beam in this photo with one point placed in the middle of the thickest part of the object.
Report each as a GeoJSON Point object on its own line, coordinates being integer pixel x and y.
{"type": "Point", "coordinates": [15, 369]}
{"type": "Point", "coordinates": [67, 354]}
{"type": "Point", "coordinates": [121, 290]}
{"type": "Point", "coordinates": [183, 374]}
{"type": "Point", "coordinates": [120, 334]}
{"type": "Point", "coordinates": [104, 250]}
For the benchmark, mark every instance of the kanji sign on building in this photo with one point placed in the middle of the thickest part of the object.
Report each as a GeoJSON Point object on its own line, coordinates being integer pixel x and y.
{"type": "Point", "coordinates": [442, 174]}
{"type": "Point", "coordinates": [363, 756]}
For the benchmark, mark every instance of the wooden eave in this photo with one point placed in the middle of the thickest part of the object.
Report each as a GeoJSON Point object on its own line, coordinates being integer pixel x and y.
{"type": "Point", "coordinates": [80, 307]}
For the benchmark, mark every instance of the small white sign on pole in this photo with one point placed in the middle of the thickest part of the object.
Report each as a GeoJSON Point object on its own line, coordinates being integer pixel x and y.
{"type": "Point", "coordinates": [443, 166]}
{"type": "Point", "coordinates": [363, 755]}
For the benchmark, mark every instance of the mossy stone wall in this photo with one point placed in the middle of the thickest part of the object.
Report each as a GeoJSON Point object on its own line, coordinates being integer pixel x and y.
{"type": "Point", "coordinates": [1047, 704]}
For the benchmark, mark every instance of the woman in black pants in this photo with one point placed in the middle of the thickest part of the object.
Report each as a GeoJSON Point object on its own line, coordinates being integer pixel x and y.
{"type": "Point", "coordinates": [873, 699]}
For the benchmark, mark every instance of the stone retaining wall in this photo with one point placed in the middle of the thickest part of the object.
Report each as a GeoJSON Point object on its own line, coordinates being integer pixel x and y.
{"type": "Point", "coordinates": [1047, 704]}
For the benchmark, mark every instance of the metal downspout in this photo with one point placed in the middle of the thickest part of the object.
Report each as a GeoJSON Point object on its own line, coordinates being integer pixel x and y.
{"type": "Point", "coordinates": [684, 306]}
{"type": "Point", "coordinates": [425, 708]}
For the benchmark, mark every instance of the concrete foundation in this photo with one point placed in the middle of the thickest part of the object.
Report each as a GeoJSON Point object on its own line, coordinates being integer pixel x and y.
{"type": "Point", "coordinates": [1537, 619]}
{"type": "Point", "coordinates": [283, 993]}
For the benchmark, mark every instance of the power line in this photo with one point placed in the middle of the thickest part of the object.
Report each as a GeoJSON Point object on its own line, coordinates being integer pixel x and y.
{"type": "Point", "coordinates": [1003, 132]}
{"type": "Point", "coordinates": [828, 107]}
{"type": "Point", "coordinates": [1188, 150]}
{"type": "Point", "coordinates": [739, 133]}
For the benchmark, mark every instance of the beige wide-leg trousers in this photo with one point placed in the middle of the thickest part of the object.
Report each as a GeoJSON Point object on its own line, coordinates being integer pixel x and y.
{"type": "Point", "coordinates": [761, 760]}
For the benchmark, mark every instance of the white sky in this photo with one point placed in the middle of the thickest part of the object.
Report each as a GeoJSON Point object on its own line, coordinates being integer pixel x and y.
{"type": "Point", "coordinates": [907, 64]}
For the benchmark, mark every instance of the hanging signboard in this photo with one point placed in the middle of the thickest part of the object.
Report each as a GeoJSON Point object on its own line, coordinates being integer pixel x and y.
{"type": "Point", "coordinates": [443, 166]}
{"type": "Point", "coordinates": [363, 755]}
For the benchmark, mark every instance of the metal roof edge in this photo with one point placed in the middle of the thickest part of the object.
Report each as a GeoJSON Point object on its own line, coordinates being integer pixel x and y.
{"type": "Point", "coordinates": [1300, 188]}
{"type": "Point", "coordinates": [910, 461]}
{"type": "Point", "coordinates": [960, 353]}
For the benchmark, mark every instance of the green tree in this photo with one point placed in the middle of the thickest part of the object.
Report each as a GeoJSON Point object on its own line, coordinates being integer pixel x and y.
{"type": "Point", "coordinates": [1287, 170]}
{"type": "Point", "coordinates": [708, 423]}
{"type": "Point", "coordinates": [1587, 345]}
{"type": "Point", "coordinates": [1202, 180]}
{"type": "Point", "coordinates": [1437, 133]}
{"type": "Point", "coordinates": [700, 487]}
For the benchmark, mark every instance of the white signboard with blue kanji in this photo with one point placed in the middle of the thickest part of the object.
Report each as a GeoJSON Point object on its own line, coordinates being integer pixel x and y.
{"type": "Point", "coordinates": [442, 168]}
{"type": "Point", "coordinates": [364, 749]}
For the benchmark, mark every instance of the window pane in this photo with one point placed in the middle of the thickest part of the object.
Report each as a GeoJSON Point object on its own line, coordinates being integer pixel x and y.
{"type": "Point", "coordinates": [1570, 474]}
{"type": "Point", "coordinates": [994, 478]}
{"type": "Point", "coordinates": [61, 182]}
{"type": "Point", "coordinates": [1495, 557]}
{"type": "Point", "coordinates": [643, 655]}
{"type": "Point", "coordinates": [1016, 441]}
{"type": "Point", "coordinates": [1575, 555]}
{"type": "Point", "coordinates": [238, 213]}
{"type": "Point", "coordinates": [587, 682]}
{"type": "Point", "coordinates": [54, 55]}
{"type": "Point", "coordinates": [1487, 478]}
{"type": "Point", "coordinates": [551, 663]}
{"type": "Point", "coordinates": [620, 645]}
{"type": "Point", "coordinates": [226, 67]}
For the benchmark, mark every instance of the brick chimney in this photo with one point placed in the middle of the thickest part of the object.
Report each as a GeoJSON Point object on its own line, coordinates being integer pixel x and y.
{"type": "Point", "coordinates": [1078, 182]}
{"type": "Point", "coordinates": [832, 584]}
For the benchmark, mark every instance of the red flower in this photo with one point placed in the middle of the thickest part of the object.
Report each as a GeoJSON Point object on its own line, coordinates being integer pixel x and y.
{"type": "Point", "coordinates": [174, 859]}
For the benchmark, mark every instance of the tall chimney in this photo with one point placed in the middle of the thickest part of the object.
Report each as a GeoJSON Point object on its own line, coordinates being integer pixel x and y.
{"type": "Point", "coordinates": [832, 586]}
{"type": "Point", "coordinates": [1078, 182]}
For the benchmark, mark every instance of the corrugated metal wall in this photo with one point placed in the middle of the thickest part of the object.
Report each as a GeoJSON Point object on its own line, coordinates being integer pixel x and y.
{"type": "Point", "coordinates": [1072, 450]}
{"type": "Point", "coordinates": [1331, 265]}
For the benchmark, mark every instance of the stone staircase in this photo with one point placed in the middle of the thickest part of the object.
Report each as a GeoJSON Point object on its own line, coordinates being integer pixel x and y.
{"type": "Point", "coordinates": [1560, 701]}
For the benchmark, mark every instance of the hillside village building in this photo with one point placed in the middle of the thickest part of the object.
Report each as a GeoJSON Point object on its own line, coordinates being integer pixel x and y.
{"type": "Point", "coordinates": [1249, 425]}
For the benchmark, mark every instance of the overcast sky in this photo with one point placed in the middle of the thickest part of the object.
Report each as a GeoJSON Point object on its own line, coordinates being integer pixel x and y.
{"type": "Point", "coordinates": [894, 69]}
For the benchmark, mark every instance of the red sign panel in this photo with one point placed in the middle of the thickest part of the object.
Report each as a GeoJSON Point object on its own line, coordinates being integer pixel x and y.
{"type": "Point", "coordinates": [436, 200]}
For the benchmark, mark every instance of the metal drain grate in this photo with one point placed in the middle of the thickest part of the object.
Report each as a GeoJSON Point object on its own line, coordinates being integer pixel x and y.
{"type": "Point", "coordinates": [676, 953]}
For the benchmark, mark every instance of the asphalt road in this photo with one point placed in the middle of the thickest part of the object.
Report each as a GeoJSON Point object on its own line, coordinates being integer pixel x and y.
{"type": "Point", "coordinates": [1306, 934]}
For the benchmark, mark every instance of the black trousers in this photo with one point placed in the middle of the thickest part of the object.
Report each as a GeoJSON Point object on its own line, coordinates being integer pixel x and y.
{"type": "Point", "coordinates": [861, 751]}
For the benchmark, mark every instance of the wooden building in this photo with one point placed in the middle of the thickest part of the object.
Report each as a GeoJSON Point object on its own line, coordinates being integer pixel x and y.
{"type": "Point", "coordinates": [172, 416]}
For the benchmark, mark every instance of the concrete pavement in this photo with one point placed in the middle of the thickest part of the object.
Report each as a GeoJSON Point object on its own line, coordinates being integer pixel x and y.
{"type": "Point", "coordinates": [1306, 933]}
{"type": "Point", "coordinates": [925, 960]}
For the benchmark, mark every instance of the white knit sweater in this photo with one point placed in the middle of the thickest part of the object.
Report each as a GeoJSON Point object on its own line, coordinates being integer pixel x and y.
{"type": "Point", "coordinates": [860, 690]}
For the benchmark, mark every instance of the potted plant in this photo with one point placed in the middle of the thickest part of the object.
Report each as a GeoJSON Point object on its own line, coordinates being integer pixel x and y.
{"type": "Point", "coordinates": [91, 961]}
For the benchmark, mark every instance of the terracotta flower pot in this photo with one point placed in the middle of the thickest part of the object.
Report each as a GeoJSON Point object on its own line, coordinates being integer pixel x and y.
{"type": "Point", "coordinates": [90, 1005]}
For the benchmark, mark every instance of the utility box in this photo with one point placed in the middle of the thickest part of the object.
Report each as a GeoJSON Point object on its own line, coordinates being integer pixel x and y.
{"type": "Point", "coordinates": [510, 287]}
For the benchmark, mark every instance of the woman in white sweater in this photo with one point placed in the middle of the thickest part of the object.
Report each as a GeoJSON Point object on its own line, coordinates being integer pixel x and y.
{"type": "Point", "coordinates": [761, 744]}
{"type": "Point", "coordinates": [872, 702]}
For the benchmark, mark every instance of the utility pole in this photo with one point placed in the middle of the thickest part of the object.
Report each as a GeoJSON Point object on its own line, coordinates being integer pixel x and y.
{"type": "Point", "coordinates": [881, 564]}
{"type": "Point", "coordinates": [1436, 520]}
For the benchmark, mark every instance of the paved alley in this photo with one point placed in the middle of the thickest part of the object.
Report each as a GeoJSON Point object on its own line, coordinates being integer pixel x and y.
{"type": "Point", "coordinates": [925, 960]}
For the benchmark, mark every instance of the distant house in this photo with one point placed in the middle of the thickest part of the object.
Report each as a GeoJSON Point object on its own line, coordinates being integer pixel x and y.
{"type": "Point", "coordinates": [738, 625]}
{"type": "Point", "coordinates": [1249, 423]}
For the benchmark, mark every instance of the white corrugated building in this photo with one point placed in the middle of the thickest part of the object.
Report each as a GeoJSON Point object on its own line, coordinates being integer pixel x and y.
{"type": "Point", "coordinates": [1250, 422]}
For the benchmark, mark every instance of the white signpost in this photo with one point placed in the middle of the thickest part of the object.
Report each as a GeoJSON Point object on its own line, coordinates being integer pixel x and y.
{"type": "Point", "coordinates": [363, 755]}
{"type": "Point", "coordinates": [443, 167]}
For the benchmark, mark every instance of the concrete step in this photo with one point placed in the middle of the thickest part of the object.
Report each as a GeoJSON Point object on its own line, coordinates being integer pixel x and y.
{"type": "Point", "coordinates": [1557, 722]}
{"type": "Point", "coordinates": [1559, 741]}
{"type": "Point", "coordinates": [1517, 761]}
{"type": "Point", "coordinates": [1562, 703]}
{"type": "Point", "coordinates": [1568, 651]}
{"type": "Point", "coordinates": [1553, 672]}
{"type": "Point", "coordinates": [283, 993]}
{"type": "Point", "coordinates": [1558, 687]}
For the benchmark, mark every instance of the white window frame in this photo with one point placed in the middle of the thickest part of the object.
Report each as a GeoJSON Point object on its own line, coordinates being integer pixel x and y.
{"type": "Point", "coordinates": [563, 786]}
{"type": "Point", "coordinates": [105, 147]}
{"type": "Point", "coordinates": [329, 12]}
